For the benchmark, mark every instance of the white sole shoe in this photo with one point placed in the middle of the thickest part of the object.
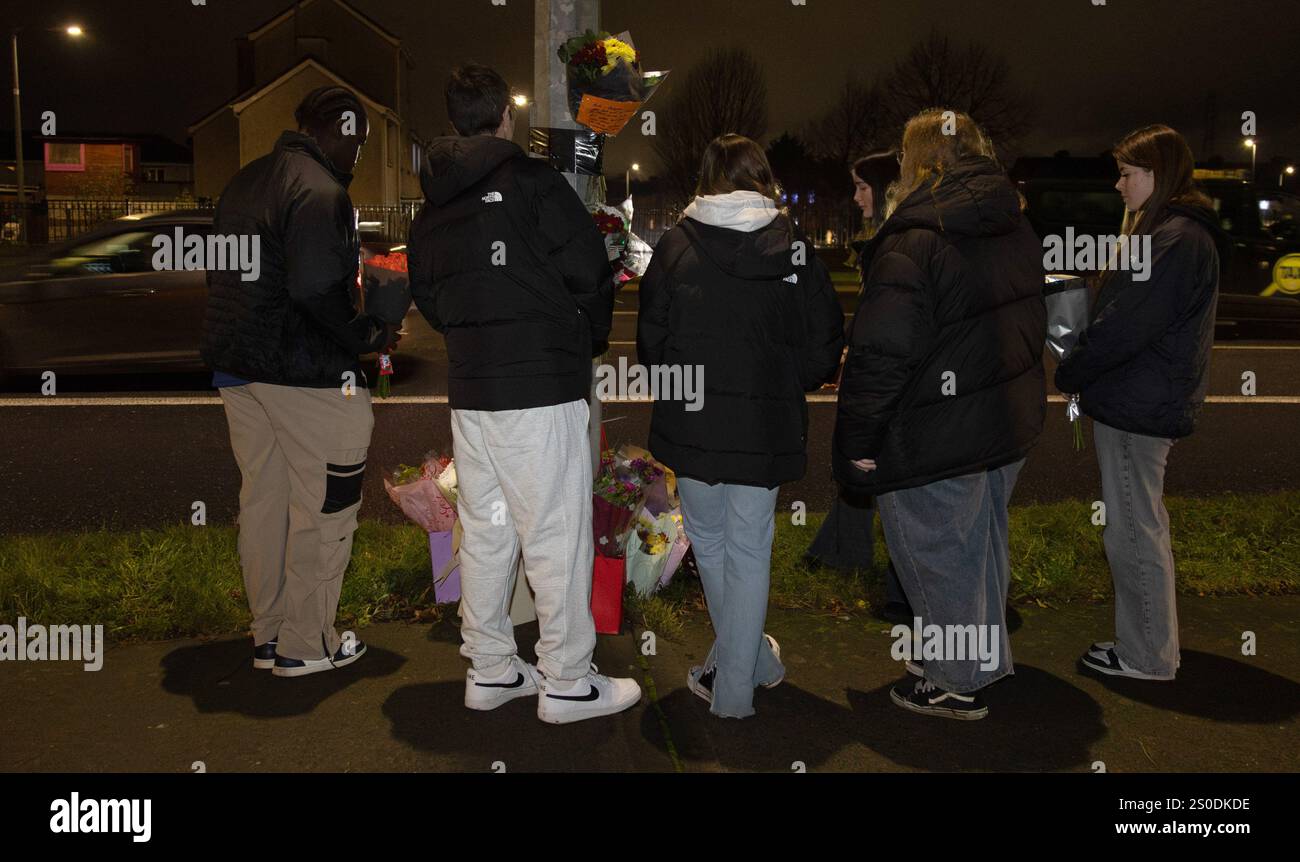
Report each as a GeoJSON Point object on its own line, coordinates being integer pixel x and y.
{"type": "Point", "coordinates": [486, 693]}
{"type": "Point", "coordinates": [311, 666]}
{"type": "Point", "coordinates": [591, 697]}
{"type": "Point", "coordinates": [776, 651]}
{"type": "Point", "coordinates": [1110, 664]}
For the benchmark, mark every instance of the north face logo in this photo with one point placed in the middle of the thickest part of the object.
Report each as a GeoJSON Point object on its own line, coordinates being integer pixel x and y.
{"type": "Point", "coordinates": [492, 198]}
{"type": "Point", "coordinates": [793, 278]}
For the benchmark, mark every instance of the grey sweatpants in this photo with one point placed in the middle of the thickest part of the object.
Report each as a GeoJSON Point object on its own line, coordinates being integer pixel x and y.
{"type": "Point", "coordinates": [525, 486]}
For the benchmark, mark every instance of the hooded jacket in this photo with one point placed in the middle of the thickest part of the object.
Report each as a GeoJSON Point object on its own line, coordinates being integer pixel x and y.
{"type": "Point", "coordinates": [728, 291]}
{"type": "Point", "coordinates": [945, 368]}
{"type": "Point", "coordinates": [296, 324]}
{"type": "Point", "coordinates": [1141, 365]}
{"type": "Point", "coordinates": [507, 264]}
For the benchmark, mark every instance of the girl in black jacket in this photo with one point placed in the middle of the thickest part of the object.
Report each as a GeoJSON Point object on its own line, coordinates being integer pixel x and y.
{"type": "Point", "coordinates": [736, 290]}
{"type": "Point", "coordinates": [1140, 369]}
{"type": "Point", "coordinates": [943, 395]}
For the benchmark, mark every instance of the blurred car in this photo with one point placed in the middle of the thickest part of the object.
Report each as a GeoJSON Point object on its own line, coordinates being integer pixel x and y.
{"type": "Point", "coordinates": [96, 304]}
{"type": "Point", "coordinates": [1259, 284]}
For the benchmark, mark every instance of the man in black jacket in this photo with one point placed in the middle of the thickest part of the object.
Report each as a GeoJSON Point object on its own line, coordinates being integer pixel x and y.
{"type": "Point", "coordinates": [507, 264]}
{"type": "Point", "coordinates": [284, 348]}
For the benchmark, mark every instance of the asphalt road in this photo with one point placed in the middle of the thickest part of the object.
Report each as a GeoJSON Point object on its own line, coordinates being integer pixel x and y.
{"type": "Point", "coordinates": [133, 452]}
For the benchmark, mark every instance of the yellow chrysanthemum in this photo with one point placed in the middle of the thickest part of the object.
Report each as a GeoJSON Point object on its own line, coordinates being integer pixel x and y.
{"type": "Point", "coordinates": [615, 50]}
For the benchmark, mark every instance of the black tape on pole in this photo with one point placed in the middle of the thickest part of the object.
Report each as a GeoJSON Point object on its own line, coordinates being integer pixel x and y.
{"type": "Point", "coordinates": [574, 151]}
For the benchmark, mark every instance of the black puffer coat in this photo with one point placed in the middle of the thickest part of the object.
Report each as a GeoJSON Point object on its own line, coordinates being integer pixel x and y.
{"type": "Point", "coordinates": [296, 324]}
{"type": "Point", "coordinates": [765, 329]}
{"type": "Point", "coordinates": [953, 302]}
{"type": "Point", "coordinates": [1141, 364]}
{"type": "Point", "coordinates": [508, 265]}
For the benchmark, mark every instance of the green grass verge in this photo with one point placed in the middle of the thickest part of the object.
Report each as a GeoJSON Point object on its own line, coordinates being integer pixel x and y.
{"type": "Point", "coordinates": [185, 581]}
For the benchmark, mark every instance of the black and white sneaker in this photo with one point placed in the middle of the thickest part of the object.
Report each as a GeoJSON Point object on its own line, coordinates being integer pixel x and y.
{"type": "Point", "coordinates": [776, 651]}
{"type": "Point", "coordinates": [590, 697]}
{"type": "Point", "coordinates": [1109, 663]}
{"type": "Point", "coordinates": [349, 651]}
{"type": "Point", "coordinates": [519, 679]}
{"type": "Point", "coordinates": [928, 699]}
{"type": "Point", "coordinates": [701, 683]}
{"type": "Point", "coordinates": [264, 656]}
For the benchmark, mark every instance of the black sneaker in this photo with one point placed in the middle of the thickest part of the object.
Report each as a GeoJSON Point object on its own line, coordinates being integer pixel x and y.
{"type": "Point", "coordinates": [349, 651]}
{"type": "Point", "coordinates": [264, 656]}
{"type": "Point", "coordinates": [928, 699]}
{"type": "Point", "coordinates": [701, 684]}
{"type": "Point", "coordinates": [1109, 663]}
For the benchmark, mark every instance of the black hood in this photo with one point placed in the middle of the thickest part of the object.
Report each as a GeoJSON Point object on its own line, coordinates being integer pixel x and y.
{"type": "Point", "coordinates": [759, 255]}
{"type": "Point", "coordinates": [974, 198]}
{"type": "Point", "coordinates": [455, 163]}
{"type": "Point", "coordinates": [299, 143]}
{"type": "Point", "coordinates": [1208, 219]}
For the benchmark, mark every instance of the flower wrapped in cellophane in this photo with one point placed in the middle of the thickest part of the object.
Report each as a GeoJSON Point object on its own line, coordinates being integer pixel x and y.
{"type": "Point", "coordinates": [605, 81]}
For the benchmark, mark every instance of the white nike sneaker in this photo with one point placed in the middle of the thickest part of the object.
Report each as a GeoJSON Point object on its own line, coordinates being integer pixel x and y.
{"type": "Point", "coordinates": [591, 697]}
{"type": "Point", "coordinates": [519, 679]}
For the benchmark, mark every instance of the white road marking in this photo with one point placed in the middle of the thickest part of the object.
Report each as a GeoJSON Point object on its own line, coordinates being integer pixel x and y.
{"type": "Point", "coordinates": [210, 400]}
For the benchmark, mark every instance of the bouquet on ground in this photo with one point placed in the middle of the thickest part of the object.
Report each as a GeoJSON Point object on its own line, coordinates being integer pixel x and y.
{"type": "Point", "coordinates": [386, 295]}
{"type": "Point", "coordinates": [628, 254]}
{"type": "Point", "coordinates": [619, 489]}
{"type": "Point", "coordinates": [605, 81]}
{"type": "Point", "coordinates": [427, 493]}
{"type": "Point", "coordinates": [1067, 316]}
{"type": "Point", "coordinates": [658, 542]}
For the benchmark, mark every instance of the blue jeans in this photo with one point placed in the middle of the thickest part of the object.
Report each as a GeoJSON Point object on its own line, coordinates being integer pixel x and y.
{"type": "Point", "coordinates": [731, 529]}
{"type": "Point", "coordinates": [1138, 548]}
{"type": "Point", "coordinates": [948, 540]}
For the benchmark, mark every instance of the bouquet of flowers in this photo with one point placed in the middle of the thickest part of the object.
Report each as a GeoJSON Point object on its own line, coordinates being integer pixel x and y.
{"type": "Point", "coordinates": [620, 487]}
{"type": "Point", "coordinates": [386, 293]}
{"type": "Point", "coordinates": [629, 254]}
{"type": "Point", "coordinates": [605, 81]}
{"type": "Point", "coordinates": [426, 494]}
{"type": "Point", "coordinates": [1067, 317]}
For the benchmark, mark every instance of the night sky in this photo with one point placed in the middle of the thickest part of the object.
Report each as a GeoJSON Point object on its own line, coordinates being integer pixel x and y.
{"type": "Point", "coordinates": [1092, 72]}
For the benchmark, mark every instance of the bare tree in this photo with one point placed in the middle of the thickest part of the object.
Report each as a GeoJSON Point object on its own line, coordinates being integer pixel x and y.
{"type": "Point", "coordinates": [852, 126]}
{"type": "Point", "coordinates": [725, 92]}
{"type": "Point", "coordinates": [935, 73]}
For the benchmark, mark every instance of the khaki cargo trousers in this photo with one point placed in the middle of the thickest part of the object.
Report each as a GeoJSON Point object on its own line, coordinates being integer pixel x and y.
{"type": "Point", "coordinates": [302, 456]}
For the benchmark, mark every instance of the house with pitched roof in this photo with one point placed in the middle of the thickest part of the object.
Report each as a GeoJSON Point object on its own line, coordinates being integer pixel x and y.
{"type": "Point", "coordinates": [315, 43]}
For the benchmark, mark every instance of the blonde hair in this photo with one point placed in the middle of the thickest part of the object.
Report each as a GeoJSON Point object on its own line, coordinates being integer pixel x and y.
{"type": "Point", "coordinates": [933, 141]}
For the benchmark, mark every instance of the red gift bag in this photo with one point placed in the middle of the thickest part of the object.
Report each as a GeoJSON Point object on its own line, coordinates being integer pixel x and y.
{"type": "Point", "coordinates": [607, 594]}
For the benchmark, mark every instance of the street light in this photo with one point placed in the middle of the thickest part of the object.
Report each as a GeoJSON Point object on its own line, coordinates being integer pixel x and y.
{"type": "Point", "coordinates": [627, 179]}
{"type": "Point", "coordinates": [1287, 171]}
{"type": "Point", "coordinates": [1254, 150]}
{"type": "Point", "coordinates": [75, 31]}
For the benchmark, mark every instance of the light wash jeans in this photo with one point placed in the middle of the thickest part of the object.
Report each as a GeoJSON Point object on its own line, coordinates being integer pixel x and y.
{"type": "Point", "coordinates": [731, 529]}
{"type": "Point", "coordinates": [948, 540]}
{"type": "Point", "coordinates": [525, 484]}
{"type": "Point", "coordinates": [1138, 548]}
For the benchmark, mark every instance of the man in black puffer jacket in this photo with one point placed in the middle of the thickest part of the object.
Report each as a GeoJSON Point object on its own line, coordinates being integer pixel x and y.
{"type": "Point", "coordinates": [508, 265]}
{"type": "Point", "coordinates": [284, 348]}
{"type": "Point", "coordinates": [943, 394]}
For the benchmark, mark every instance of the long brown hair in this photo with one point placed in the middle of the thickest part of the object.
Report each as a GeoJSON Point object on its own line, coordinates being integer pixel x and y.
{"type": "Point", "coordinates": [735, 163]}
{"type": "Point", "coordinates": [933, 141]}
{"type": "Point", "coordinates": [1166, 154]}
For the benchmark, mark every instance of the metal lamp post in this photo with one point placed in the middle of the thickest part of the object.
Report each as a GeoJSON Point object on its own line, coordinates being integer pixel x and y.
{"type": "Point", "coordinates": [75, 32]}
